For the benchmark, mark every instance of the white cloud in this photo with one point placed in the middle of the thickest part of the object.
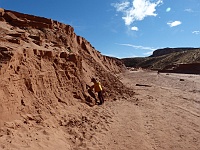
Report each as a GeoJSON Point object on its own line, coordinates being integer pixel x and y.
{"type": "Point", "coordinates": [189, 10]}
{"type": "Point", "coordinates": [111, 55]}
{"type": "Point", "coordinates": [149, 50]}
{"type": "Point", "coordinates": [138, 47]}
{"type": "Point", "coordinates": [121, 6]}
{"type": "Point", "coordinates": [175, 23]}
{"type": "Point", "coordinates": [149, 53]}
{"type": "Point", "coordinates": [196, 32]}
{"type": "Point", "coordinates": [138, 10]}
{"type": "Point", "coordinates": [168, 9]}
{"type": "Point", "coordinates": [134, 28]}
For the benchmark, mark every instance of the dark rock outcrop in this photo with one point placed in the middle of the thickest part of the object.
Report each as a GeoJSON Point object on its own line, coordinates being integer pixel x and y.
{"type": "Point", "coordinates": [164, 51]}
{"type": "Point", "coordinates": [193, 68]}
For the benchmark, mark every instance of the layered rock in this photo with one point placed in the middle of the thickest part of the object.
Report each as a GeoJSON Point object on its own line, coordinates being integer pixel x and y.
{"type": "Point", "coordinates": [45, 65]}
{"type": "Point", "coordinates": [192, 68]}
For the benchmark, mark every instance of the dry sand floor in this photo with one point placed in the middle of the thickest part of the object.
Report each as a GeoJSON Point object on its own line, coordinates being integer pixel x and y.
{"type": "Point", "coordinates": [163, 115]}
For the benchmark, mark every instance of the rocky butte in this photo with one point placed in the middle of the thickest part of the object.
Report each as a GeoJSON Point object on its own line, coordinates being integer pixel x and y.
{"type": "Point", "coordinates": [44, 69]}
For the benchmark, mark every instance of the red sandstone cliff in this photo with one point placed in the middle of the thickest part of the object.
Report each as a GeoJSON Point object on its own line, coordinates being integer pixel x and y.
{"type": "Point", "coordinates": [43, 58]}
{"type": "Point", "coordinates": [44, 69]}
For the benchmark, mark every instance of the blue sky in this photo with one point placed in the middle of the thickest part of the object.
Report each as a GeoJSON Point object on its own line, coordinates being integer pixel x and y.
{"type": "Point", "coordinates": [122, 28]}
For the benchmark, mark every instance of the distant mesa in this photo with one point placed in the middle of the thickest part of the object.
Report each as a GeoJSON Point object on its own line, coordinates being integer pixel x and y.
{"type": "Point", "coordinates": [175, 60]}
{"type": "Point", "coordinates": [164, 51]}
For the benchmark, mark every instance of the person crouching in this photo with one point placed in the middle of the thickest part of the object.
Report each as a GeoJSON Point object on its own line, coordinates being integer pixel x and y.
{"type": "Point", "coordinates": [98, 88]}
